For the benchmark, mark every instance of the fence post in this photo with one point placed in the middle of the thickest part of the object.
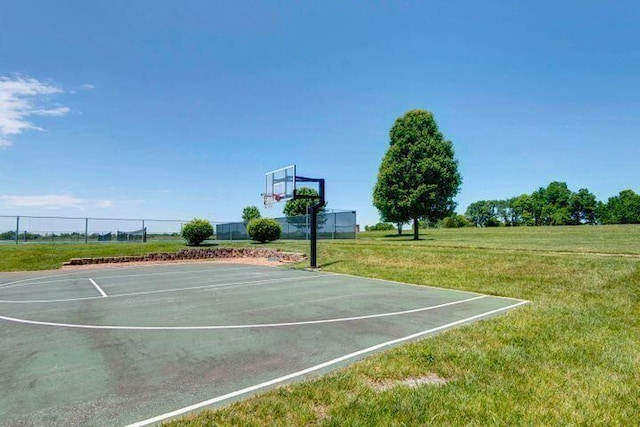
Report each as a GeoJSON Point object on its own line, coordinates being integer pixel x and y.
{"type": "Point", "coordinates": [144, 233]}
{"type": "Point", "coordinates": [17, 229]}
{"type": "Point", "coordinates": [86, 230]}
{"type": "Point", "coordinates": [335, 224]}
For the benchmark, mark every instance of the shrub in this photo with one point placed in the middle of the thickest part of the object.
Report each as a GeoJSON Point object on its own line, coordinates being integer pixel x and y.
{"type": "Point", "coordinates": [196, 231]}
{"type": "Point", "coordinates": [264, 230]}
{"type": "Point", "coordinates": [381, 226]}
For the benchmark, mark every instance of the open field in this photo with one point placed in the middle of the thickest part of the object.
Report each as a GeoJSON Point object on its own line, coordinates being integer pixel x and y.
{"type": "Point", "coordinates": [570, 357]}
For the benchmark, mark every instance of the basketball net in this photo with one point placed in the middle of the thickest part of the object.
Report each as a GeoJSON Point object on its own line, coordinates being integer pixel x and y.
{"type": "Point", "coordinates": [270, 198]}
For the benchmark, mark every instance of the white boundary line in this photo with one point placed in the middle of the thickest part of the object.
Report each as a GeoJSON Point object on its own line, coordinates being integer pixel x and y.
{"type": "Point", "coordinates": [22, 282]}
{"type": "Point", "coordinates": [98, 288]}
{"type": "Point", "coordinates": [315, 368]}
{"type": "Point", "coordinates": [162, 291]}
{"type": "Point", "coordinates": [251, 326]}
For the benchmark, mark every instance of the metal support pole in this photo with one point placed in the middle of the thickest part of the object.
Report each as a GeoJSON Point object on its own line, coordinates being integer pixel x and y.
{"type": "Point", "coordinates": [86, 230]}
{"type": "Point", "coordinates": [313, 210]}
{"type": "Point", "coordinates": [144, 233]}
{"type": "Point", "coordinates": [314, 235]}
{"type": "Point", "coordinates": [17, 229]}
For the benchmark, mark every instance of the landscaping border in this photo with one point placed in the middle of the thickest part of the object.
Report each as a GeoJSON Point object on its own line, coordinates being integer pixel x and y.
{"type": "Point", "coordinates": [196, 254]}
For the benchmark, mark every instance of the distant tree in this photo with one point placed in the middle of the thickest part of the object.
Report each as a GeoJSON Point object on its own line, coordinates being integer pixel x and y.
{"type": "Point", "coordinates": [582, 207]}
{"type": "Point", "coordinates": [622, 209]}
{"type": "Point", "coordinates": [381, 226]}
{"type": "Point", "coordinates": [502, 211]}
{"type": "Point", "coordinates": [537, 206]}
{"type": "Point", "coordinates": [480, 213]}
{"type": "Point", "coordinates": [295, 209]}
{"type": "Point", "coordinates": [522, 212]}
{"type": "Point", "coordinates": [8, 235]}
{"type": "Point", "coordinates": [558, 201]}
{"type": "Point", "coordinates": [249, 213]}
{"type": "Point", "coordinates": [418, 176]}
{"type": "Point", "coordinates": [455, 221]}
{"type": "Point", "coordinates": [551, 205]}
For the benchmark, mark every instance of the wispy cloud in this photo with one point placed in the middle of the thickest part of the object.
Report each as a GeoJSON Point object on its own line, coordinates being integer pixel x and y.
{"type": "Point", "coordinates": [20, 98]}
{"type": "Point", "coordinates": [54, 201]}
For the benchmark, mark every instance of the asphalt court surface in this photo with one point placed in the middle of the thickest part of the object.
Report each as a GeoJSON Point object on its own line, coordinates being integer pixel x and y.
{"type": "Point", "coordinates": [127, 345]}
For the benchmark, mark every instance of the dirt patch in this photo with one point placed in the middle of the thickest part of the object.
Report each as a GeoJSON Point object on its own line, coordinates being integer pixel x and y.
{"type": "Point", "coordinates": [411, 382]}
{"type": "Point", "coordinates": [321, 412]}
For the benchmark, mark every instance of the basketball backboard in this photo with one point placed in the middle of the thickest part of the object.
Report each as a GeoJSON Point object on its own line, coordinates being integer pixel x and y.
{"type": "Point", "coordinates": [281, 183]}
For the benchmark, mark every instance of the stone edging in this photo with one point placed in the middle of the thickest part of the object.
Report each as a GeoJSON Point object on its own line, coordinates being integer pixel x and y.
{"type": "Point", "coordinates": [193, 253]}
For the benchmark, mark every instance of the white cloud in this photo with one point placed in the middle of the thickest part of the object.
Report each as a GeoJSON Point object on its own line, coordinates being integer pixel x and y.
{"type": "Point", "coordinates": [54, 112]}
{"type": "Point", "coordinates": [54, 201]}
{"type": "Point", "coordinates": [87, 86]}
{"type": "Point", "coordinates": [20, 98]}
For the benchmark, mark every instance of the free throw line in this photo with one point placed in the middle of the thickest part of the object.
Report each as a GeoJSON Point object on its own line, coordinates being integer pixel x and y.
{"type": "Point", "coordinates": [316, 368]}
{"type": "Point", "coordinates": [98, 288]}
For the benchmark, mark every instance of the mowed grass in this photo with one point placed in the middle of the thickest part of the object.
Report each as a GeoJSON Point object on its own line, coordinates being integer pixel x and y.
{"type": "Point", "coordinates": [33, 256]}
{"type": "Point", "coordinates": [570, 357]}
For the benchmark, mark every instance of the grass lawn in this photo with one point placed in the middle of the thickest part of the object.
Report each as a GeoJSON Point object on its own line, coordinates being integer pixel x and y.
{"type": "Point", "coordinates": [569, 358]}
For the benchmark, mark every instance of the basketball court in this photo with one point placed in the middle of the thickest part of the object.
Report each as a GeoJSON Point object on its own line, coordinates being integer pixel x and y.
{"type": "Point", "coordinates": [138, 345]}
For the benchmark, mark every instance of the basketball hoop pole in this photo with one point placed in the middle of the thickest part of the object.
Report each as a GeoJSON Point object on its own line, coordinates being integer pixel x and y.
{"type": "Point", "coordinates": [313, 210]}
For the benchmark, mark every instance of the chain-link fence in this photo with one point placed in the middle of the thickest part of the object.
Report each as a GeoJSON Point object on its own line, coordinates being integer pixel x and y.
{"type": "Point", "coordinates": [48, 229]}
{"type": "Point", "coordinates": [331, 225]}
{"type": "Point", "coordinates": [40, 229]}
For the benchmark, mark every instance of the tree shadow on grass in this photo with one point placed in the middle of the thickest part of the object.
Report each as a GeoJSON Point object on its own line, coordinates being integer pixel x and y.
{"type": "Point", "coordinates": [406, 237]}
{"type": "Point", "coordinates": [397, 236]}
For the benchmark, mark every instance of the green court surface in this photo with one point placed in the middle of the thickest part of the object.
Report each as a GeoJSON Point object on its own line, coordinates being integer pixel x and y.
{"type": "Point", "coordinates": [137, 345]}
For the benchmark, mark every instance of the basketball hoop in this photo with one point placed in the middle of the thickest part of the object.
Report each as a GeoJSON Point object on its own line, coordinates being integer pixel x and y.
{"type": "Point", "coordinates": [270, 198]}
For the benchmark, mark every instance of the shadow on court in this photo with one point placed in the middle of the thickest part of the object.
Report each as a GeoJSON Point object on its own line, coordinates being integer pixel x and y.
{"type": "Point", "coordinates": [117, 346]}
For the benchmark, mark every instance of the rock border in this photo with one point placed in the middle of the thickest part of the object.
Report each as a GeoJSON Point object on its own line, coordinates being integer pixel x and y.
{"type": "Point", "coordinates": [195, 254]}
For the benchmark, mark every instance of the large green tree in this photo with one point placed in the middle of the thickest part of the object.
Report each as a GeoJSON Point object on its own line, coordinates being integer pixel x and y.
{"type": "Point", "coordinates": [479, 213]}
{"type": "Point", "coordinates": [296, 209]}
{"type": "Point", "coordinates": [249, 213]}
{"type": "Point", "coordinates": [621, 209]}
{"type": "Point", "coordinates": [583, 206]}
{"type": "Point", "coordinates": [418, 176]}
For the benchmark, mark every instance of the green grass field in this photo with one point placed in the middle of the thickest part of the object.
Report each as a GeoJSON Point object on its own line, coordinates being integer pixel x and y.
{"type": "Point", "coordinates": [569, 358]}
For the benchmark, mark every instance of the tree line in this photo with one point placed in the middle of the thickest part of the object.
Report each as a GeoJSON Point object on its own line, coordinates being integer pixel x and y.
{"type": "Point", "coordinates": [556, 204]}
{"type": "Point", "coordinates": [418, 179]}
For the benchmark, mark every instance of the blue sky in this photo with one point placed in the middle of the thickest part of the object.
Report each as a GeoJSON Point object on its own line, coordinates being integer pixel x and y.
{"type": "Point", "coordinates": [163, 109]}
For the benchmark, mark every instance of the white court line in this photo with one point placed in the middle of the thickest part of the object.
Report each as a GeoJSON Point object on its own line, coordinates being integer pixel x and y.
{"type": "Point", "coordinates": [17, 283]}
{"type": "Point", "coordinates": [98, 288]}
{"type": "Point", "coordinates": [315, 368]}
{"type": "Point", "coordinates": [162, 291]}
{"type": "Point", "coordinates": [250, 326]}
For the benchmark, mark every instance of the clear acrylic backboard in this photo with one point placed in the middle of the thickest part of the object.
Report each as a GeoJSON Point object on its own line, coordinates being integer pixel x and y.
{"type": "Point", "coordinates": [281, 183]}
